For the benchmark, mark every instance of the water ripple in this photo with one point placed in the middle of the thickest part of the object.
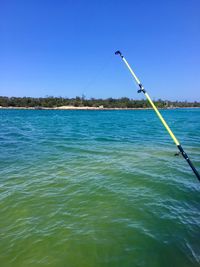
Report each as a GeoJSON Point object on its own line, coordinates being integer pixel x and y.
{"type": "Point", "coordinates": [99, 188]}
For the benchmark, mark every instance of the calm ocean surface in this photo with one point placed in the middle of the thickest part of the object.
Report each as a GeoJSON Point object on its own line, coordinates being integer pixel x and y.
{"type": "Point", "coordinates": [98, 189]}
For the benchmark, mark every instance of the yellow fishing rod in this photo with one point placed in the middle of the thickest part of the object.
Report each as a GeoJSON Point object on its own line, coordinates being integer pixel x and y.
{"type": "Point", "coordinates": [160, 116]}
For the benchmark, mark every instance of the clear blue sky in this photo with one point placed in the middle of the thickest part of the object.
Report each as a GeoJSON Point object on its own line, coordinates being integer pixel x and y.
{"type": "Point", "coordinates": [66, 48]}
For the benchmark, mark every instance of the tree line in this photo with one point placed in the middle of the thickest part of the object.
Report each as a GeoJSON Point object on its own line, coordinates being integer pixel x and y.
{"type": "Point", "coordinates": [124, 102]}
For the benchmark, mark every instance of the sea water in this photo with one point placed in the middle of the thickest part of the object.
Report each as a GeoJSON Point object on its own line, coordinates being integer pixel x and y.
{"type": "Point", "coordinates": [98, 189]}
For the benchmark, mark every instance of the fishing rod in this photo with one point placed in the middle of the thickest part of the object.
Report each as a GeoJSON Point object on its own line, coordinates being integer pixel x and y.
{"type": "Point", "coordinates": [141, 89]}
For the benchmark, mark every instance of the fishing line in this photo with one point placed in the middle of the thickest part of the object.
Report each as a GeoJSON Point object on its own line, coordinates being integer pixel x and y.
{"type": "Point", "coordinates": [99, 73]}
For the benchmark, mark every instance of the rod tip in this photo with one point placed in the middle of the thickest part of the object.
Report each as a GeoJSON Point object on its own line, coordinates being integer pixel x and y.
{"type": "Point", "coordinates": [118, 53]}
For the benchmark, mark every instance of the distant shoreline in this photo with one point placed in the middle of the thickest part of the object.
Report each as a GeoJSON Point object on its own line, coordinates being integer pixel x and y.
{"type": "Point", "coordinates": [81, 103]}
{"type": "Point", "coordinates": [90, 108]}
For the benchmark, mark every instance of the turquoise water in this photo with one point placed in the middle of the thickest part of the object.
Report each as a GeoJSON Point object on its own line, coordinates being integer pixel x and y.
{"type": "Point", "coordinates": [98, 189]}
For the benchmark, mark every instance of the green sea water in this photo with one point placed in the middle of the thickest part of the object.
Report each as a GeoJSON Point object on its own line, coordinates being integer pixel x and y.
{"type": "Point", "coordinates": [98, 189]}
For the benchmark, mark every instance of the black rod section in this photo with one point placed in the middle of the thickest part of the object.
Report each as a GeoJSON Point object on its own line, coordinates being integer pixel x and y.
{"type": "Point", "coordinates": [189, 162]}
